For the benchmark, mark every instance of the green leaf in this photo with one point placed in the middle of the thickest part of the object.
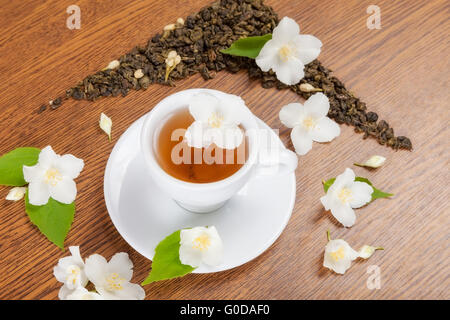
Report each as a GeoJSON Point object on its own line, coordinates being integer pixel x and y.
{"type": "Point", "coordinates": [247, 47]}
{"type": "Point", "coordinates": [53, 219]}
{"type": "Point", "coordinates": [375, 194]}
{"type": "Point", "coordinates": [327, 184]}
{"type": "Point", "coordinates": [166, 262]}
{"type": "Point", "coordinates": [11, 165]}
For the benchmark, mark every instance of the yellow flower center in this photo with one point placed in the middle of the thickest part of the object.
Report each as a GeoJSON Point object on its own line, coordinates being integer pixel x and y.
{"type": "Point", "coordinates": [52, 177]}
{"type": "Point", "coordinates": [338, 254]}
{"type": "Point", "coordinates": [202, 242]}
{"type": "Point", "coordinates": [73, 272]}
{"type": "Point", "coordinates": [345, 195]}
{"type": "Point", "coordinates": [114, 282]}
{"type": "Point", "coordinates": [215, 120]}
{"type": "Point", "coordinates": [309, 123]}
{"type": "Point", "coordinates": [285, 52]}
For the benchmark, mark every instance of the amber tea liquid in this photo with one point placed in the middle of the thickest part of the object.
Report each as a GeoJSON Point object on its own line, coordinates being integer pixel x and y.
{"type": "Point", "coordinates": [204, 165]}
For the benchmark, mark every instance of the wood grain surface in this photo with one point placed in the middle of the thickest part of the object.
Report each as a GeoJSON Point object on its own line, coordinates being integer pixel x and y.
{"type": "Point", "coordinates": [401, 71]}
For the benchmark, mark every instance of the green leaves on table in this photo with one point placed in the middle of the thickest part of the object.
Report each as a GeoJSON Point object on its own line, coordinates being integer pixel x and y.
{"type": "Point", "coordinates": [247, 47]}
{"type": "Point", "coordinates": [11, 164]}
{"type": "Point", "coordinates": [53, 219]}
{"type": "Point", "coordinates": [376, 194]}
{"type": "Point", "coordinates": [166, 262]}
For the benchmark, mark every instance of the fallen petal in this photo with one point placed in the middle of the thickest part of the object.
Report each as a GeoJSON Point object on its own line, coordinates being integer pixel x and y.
{"type": "Point", "coordinates": [106, 124]}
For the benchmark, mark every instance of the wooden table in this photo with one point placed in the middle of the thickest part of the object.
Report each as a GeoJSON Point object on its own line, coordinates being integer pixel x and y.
{"type": "Point", "coordinates": [401, 71]}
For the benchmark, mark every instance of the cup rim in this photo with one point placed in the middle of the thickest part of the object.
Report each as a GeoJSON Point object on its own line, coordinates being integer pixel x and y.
{"type": "Point", "coordinates": [152, 163]}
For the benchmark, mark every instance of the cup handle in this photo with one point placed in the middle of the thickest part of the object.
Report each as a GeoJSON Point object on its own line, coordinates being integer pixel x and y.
{"type": "Point", "coordinates": [285, 163]}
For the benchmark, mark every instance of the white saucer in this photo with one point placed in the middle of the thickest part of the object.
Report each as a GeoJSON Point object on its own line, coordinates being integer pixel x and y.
{"type": "Point", "coordinates": [248, 223]}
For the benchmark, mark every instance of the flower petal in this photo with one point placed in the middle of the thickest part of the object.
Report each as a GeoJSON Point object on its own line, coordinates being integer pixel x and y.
{"type": "Point", "coordinates": [361, 194]}
{"type": "Point", "coordinates": [343, 213]}
{"type": "Point", "coordinates": [69, 166]}
{"type": "Point", "coordinates": [64, 292]}
{"type": "Point", "coordinates": [47, 157]}
{"type": "Point", "coordinates": [121, 264]}
{"type": "Point", "coordinates": [132, 291]}
{"type": "Point", "coordinates": [202, 105]}
{"type": "Point", "coordinates": [301, 140]}
{"type": "Point", "coordinates": [286, 30]}
{"type": "Point", "coordinates": [38, 193]}
{"type": "Point", "coordinates": [347, 177]}
{"type": "Point", "coordinates": [75, 252]}
{"type": "Point", "coordinates": [65, 191]}
{"type": "Point", "coordinates": [226, 138]}
{"type": "Point", "coordinates": [214, 255]}
{"type": "Point", "coordinates": [268, 56]}
{"type": "Point", "coordinates": [325, 130]}
{"type": "Point", "coordinates": [291, 114]}
{"type": "Point", "coordinates": [317, 105]}
{"type": "Point", "coordinates": [289, 72]}
{"type": "Point", "coordinates": [96, 268]}
{"type": "Point", "coordinates": [59, 272]}
{"type": "Point", "coordinates": [308, 47]}
{"type": "Point", "coordinates": [195, 136]}
{"type": "Point", "coordinates": [232, 108]}
{"type": "Point", "coordinates": [326, 201]}
{"type": "Point", "coordinates": [189, 255]}
{"type": "Point", "coordinates": [34, 173]}
{"type": "Point", "coordinates": [83, 294]}
{"type": "Point", "coordinates": [105, 124]}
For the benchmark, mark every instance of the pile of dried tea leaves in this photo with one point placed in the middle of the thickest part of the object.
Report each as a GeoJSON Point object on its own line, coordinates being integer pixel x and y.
{"type": "Point", "coordinates": [199, 39]}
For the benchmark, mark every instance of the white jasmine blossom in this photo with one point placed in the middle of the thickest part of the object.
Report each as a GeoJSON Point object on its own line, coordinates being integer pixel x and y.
{"type": "Point", "coordinates": [339, 255]}
{"type": "Point", "coordinates": [52, 177]}
{"type": "Point", "coordinates": [373, 162]}
{"type": "Point", "coordinates": [288, 52]}
{"type": "Point", "coordinates": [16, 193]}
{"type": "Point", "coordinates": [180, 21]}
{"type": "Point", "coordinates": [78, 294]}
{"type": "Point", "coordinates": [344, 194]}
{"type": "Point", "coordinates": [106, 124]}
{"type": "Point", "coordinates": [216, 121]}
{"type": "Point", "coordinates": [309, 122]}
{"type": "Point", "coordinates": [200, 245]}
{"type": "Point", "coordinates": [112, 279]}
{"type": "Point", "coordinates": [70, 271]}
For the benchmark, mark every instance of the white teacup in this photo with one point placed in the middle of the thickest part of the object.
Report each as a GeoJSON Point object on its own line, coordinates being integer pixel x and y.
{"type": "Point", "coordinates": [207, 197]}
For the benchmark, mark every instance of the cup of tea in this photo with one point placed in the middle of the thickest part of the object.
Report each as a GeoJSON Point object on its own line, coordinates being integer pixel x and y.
{"type": "Point", "coordinates": [203, 179]}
